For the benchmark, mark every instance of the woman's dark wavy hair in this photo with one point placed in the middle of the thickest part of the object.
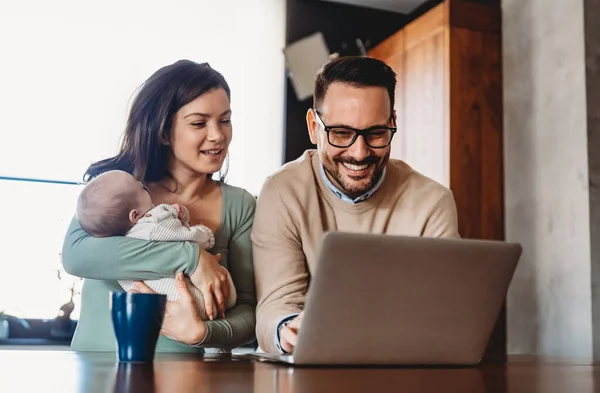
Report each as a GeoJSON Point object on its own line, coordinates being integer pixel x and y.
{"type": "Point", "coordinates": [151, 116]}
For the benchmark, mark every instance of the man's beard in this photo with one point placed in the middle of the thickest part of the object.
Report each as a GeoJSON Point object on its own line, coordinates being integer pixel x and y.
{"type": "Point", "coordinates": [351, 190]}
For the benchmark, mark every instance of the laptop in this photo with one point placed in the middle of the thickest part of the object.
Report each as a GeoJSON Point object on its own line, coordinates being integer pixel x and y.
{"type": "Point", "coordinates": [397, 300]}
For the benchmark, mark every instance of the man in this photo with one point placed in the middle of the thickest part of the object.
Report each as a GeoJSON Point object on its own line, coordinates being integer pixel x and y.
{"type": "Point", "coordinates": [348, 184]}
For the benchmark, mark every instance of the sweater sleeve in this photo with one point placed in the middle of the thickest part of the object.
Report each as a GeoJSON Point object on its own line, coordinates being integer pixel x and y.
{"type": "Point", "coordinates": [238, 326]}
{"type": "Point", "coordinates": [443, 219]}
{"type": "Point", "coordinates": [280, 266]}
{"type": "Point", "coordinates": [125, 258]}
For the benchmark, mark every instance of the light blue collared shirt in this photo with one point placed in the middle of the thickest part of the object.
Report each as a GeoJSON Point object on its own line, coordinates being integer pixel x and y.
{"type": "Point", "coordinates": [345, 197]}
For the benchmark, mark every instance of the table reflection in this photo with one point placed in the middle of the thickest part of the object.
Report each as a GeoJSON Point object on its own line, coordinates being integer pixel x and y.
{"type": "Point", "coordinates": [192, 374]}
{"type": "Point", "coordinates": [131, 377]}
{"type": "Point", "coordinates": [68, 372]}
{"type": "Point", "coordinates": [284, 379]}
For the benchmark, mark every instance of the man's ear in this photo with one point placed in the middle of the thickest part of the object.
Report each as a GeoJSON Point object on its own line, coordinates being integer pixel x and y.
{"type": "Point", "coordinates": [134, 216]}
{"type": "Point", "coordinates": [312, 125]}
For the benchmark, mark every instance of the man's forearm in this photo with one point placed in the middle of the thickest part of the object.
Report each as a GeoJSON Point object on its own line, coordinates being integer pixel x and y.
{"type": "Point", "coordinates": [268, 320]}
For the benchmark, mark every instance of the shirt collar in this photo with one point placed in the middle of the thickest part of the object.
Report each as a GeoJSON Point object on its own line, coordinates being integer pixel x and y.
{"type": "Point", "coordinates": [336, 191]}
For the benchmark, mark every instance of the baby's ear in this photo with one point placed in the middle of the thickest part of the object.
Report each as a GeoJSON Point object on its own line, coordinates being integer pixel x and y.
{"type": "Point", "coordinates": [134, 216]}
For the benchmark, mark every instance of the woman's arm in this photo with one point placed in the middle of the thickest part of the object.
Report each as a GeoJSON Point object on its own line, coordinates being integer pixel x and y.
{"type": "Point", "coordinates": [238, 327]}
{"type": "Point", "coordinates": [124, 258]}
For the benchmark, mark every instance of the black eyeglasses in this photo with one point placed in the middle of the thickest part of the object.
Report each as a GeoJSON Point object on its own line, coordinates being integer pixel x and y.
{"type": "Point", "coordinates": [376, 137]}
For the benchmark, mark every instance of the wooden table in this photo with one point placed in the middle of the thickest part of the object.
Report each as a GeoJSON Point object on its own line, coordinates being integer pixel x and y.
{"type": "Point", "coordinates": [66, 372]}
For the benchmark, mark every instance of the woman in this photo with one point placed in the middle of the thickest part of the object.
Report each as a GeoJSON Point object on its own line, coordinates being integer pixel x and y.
{"type": "Point", "coordinates": [177, 135]}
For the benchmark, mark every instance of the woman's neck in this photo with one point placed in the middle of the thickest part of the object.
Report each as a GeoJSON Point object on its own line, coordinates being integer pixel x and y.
{"type": "Point", "coordinates": [188, 186]}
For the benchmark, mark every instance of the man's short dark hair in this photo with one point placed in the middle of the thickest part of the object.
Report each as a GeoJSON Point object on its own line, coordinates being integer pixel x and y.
{"type": "Point", "coordinates": [357, 71]}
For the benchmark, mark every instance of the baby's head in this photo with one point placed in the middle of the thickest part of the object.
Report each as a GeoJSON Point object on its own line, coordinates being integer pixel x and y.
{"type": "Point", "coordinates": [112, 203]}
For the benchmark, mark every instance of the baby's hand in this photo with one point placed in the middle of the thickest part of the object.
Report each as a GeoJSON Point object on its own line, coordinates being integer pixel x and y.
{"type": "Point", "coordinates": [177, 207]}
{"type": "Point", "coordinates": [182, 212]}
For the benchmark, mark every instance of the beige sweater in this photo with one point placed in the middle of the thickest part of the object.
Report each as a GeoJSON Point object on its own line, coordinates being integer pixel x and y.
{"type": "Point", "coordinates": [294, 210]}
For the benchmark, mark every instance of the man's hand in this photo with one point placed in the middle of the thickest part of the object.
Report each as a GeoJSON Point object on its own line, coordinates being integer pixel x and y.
{"type": "Point", "coordinates": [289, 334]}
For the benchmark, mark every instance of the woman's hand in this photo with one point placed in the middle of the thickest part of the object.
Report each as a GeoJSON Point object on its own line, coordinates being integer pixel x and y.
{"type": "Point", "coordinates": [211, 279]}
{"type": "Point", "coordinates": [182, 321]}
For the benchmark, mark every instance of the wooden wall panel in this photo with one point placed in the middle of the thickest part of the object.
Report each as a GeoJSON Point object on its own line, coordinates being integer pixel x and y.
{"type": "Point", "coordinates": [475, 16]}
{"type": "Point", "coordinates": [388, 52]}
{"type": "Point", "coordinates": [425, 108]}
{"type": "Point", "coordinates": [390, 47]}
{"type": "Point", "coordinates": [427, 25]}
{"type": "Point", "coordinates": [476, 149]}
{"type": "Point", "coordinates": [476, 138]}
{"type": "Point", "coordinates": [419, 57]}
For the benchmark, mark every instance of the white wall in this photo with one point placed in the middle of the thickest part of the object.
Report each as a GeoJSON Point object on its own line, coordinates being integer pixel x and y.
{"type": "Point", "coordinates": [69, 68]}
{"type": "Point", "coordinates": [546, 173]}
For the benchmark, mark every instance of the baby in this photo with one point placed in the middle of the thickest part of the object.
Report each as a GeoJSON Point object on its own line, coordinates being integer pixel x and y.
{"type": "Point", "coordinates": [116, 204]}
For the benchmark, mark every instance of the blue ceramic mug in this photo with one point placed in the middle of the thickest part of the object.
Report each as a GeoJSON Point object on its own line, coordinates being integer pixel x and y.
{"type": "Point", "coordinates": [137, 319]}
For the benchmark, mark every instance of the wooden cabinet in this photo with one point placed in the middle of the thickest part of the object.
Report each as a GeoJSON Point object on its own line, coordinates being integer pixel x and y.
{"type": "Point", "coordinates": [418, 55]}
{"type": "Point", "coordinates": [449, 108]}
